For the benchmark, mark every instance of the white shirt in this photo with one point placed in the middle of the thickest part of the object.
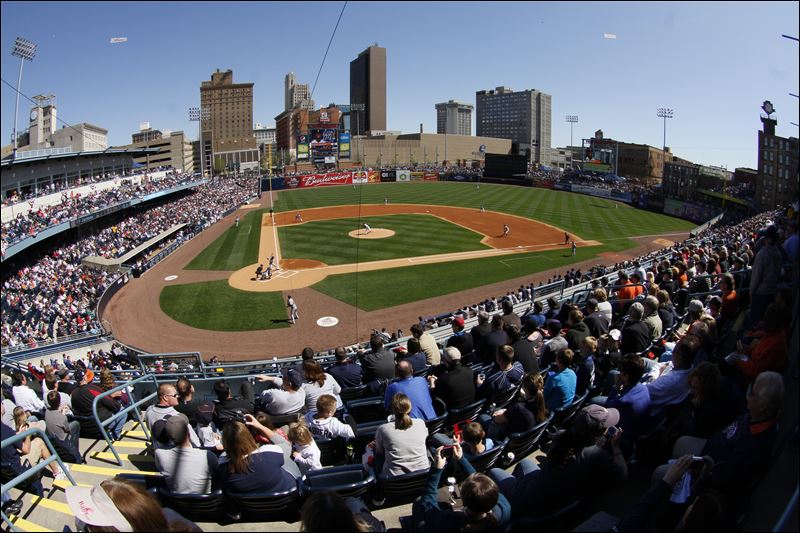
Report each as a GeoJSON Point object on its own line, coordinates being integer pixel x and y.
{"type": "Point", "coordinates": [27, 399]}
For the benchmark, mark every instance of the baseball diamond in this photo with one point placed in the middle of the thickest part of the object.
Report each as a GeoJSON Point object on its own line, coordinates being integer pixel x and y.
{"type": "Point", "coordinates": [216, 304]}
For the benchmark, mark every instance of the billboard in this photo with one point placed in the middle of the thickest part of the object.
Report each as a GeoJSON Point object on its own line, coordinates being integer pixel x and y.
{"type": "Point", "coordinates": [403, 175]}
{"type": "Point", "coordinates": [302, 147]}
{"type": "Point", "coordinates": [596, 166]}
{"type": "Point", "coordinates": [388, 175]}
{"type": "Point", "coordinates": [319, 180]}
{"type": "Point", "coordinates": [324, 143]}
{"type": "Point", "coordinates": [373, 176]}
{"type": "Point", "coordinates": [344, 144]}
{"type": "Point", "coordinates": [430, 176]}
{"type": "Point", "coordinates": [505, 166]}
{"type": "Point", "coordinates": [360, 176]}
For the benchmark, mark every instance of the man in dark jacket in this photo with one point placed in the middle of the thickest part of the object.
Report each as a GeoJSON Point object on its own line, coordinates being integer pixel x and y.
{"type": "Point", "coordinates": [346, 373]}
{"type": "Point", "coordinates": [482, 329]}
{"type": "Point", "coordinates": [379, 363]}
{"type": "Point", "coordinates": [577, 330]}
{"type": "Point", "coordinates": [226, 407]}
{"type": "Point", "coordinates": [487, 348]}
{"type": "Point", "coordinates": [595, 320]}
{"type": "Point", "coordinates": [509, 316]}
{"type": "Point", "coordinates": [523, 348]}
{"type": "Point", "coordinates": [455, 387]}
{"type": "Point", "coordinates": [83, 397]}
{"type": "Point", "coordinates": [635, 333]}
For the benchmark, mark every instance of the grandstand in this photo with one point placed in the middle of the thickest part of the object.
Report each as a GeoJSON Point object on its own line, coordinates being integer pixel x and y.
{"type": "Point", "coordinates": [31, 335]}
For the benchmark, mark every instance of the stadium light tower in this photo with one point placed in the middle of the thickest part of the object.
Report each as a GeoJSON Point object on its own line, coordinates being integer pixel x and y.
{"type": "Point", "coordinates": [663, 112]}
{"type": "Point", "coordinates": [572, 119]}
{"type": "Point", "coordinates": [25, 50]}
{"type": "Point", "coordinates": [199, 115]}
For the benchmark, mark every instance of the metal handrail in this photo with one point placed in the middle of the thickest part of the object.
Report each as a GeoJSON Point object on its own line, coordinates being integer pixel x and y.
{"type": "Point", "coordinates": [34, 469]}
{"type": "Point", "coordinates": [134, 406]}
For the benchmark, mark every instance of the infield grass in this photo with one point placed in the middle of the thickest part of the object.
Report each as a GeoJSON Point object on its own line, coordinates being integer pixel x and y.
{"type": "Point", "coordinates": [234, 249]}
{"type": "Point", "coordinates": [587, 216]}
{"type": "Point", "coordinates": [415, 235]}
{"type": "Point", "coordinates": [217, 306]}
{"type": "Point", "coordinates": [377, 289]}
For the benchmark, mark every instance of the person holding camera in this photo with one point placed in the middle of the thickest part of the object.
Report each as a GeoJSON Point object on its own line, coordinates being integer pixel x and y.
{"type": "Point", "coordinates": [484, 507]}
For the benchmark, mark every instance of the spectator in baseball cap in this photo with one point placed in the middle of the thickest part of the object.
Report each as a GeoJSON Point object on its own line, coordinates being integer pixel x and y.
{"type": "Point", "coordinates": [462, 340]}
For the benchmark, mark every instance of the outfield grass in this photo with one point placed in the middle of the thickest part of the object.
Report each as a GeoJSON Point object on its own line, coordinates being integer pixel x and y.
{"type": "Point", "coordinates": [236, 248]}
{"type": "Point", "coordinates": [587, 216]}
{"type": "Point", "coordinates": [415, 235]}
{"type": "Point", "coordinates": [377, 289]}
{"type": "Point", "coordinates": [217, 306]}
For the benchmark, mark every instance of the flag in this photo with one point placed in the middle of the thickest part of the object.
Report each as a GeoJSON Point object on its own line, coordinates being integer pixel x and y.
{"type": "Point", "coordinates": [115, 40]}
{"type": "Point", "coordinates": [609, 36]}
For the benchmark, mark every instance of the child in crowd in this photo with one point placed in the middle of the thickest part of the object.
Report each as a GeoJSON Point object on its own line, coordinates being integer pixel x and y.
{"type": "Point", "coordinates": [473, 440]}
{"type": "Point", "coordinates": [322, 423]}
{"type": "Point", "coordinates": [305, 451]}
{"type": "Point", "coordinates": [265, 420]}
{"type": "Point", "coordinates": [207, 432]}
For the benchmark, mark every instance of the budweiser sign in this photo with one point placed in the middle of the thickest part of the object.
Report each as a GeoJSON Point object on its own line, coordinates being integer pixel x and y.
{"type": "Point", "coordinates": [321, 180]}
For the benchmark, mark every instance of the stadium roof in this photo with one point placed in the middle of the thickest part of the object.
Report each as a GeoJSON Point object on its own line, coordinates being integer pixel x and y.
{"type": "Point", "coordinates": [8, 162]}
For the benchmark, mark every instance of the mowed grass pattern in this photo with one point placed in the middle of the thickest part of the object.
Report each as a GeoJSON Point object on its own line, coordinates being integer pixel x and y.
{"type": "Point", "coordinates": [217, 306]}
{"type": "Point", "coordinates": [377, 289]}
{"type": "Point", "coordinates": [588, 217]}
{"type": "Point", "coordinates": [415, 235]}
{"type": "Point", "coordinates": [234, 249]}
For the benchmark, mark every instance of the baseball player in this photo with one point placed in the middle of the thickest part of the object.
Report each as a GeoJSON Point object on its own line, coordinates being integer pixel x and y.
{"type": "Point", "coordinates": [367, 229]}
{"type": "Point", "coordinates": [294, 315]}
{"type": "Point", "coordinates": [506, 230]}
{"type": "Point", "coordinates": [298, 217]}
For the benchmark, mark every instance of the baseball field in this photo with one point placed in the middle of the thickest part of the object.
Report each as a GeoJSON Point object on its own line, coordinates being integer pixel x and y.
{"type": "Point", "coordinates": [425, 240]}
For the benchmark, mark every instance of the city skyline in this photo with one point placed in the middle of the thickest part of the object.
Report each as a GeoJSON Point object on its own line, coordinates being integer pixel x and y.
{"type": "Point", "coordinates": [713, 64]}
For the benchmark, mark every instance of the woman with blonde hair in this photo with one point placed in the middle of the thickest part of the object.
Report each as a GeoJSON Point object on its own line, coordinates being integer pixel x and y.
{"type": "Point", "coordinates": [603, 305]}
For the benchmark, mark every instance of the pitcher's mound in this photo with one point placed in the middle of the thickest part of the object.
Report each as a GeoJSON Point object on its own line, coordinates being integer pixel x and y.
{"type": "Point", "coordinates": [375, 233]}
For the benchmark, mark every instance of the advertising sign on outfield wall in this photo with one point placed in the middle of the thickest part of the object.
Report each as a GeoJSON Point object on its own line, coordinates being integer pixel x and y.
{"type": "Point", "coordinates": [373, 176]}
{"type": "Point", "coordinates": [417, 176]}
{"type": "Point", "coordinates": [319, 180]}
{"type": "Point", "coordinates": [430, 176]}
{"type": "Point", "coordinates": [388, 175]}
{"type": "Point", "coordinates": [403, 175]}
{"type": "Point", "coordinates": [360, 176]}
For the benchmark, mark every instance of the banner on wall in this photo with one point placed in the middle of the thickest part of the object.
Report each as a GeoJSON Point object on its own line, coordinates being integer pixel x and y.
{"type": "Point", "coordinates": [360, 176]}
{"type": "Point", "coordinates": [388, 176]}
{"type": "Point", "coordinates": [373, 176]}
{"type": "Point", "coordinates": [319, 180]}
{"type": "Point", "coordinates": [430, 176]}
{"type": "Point", "coordinates": [302, 147]}
{"type": "Point", "coordinates": [344, 144]}
{"type": "Point", "coordinates": [403, 175]}
{"type": "Point", "coordinates": [417, 176]}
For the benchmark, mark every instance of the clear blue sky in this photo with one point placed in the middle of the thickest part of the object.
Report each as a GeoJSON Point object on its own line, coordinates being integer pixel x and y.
{"type": "Point", "coordinates": [713, 63]}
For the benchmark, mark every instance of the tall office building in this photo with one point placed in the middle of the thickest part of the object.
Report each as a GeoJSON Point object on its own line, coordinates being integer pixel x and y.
{"type": "Point", "coordinates": [228, 133]}
{"type": "Point", "coordinates": [296, 94]}
{"type": "Point", "coordinates": [778, 173]}
{"type": "Point", "coordinates": [454, 118]}
{"type": "Point", "coordinates": [368, 88]}
{"type": "Point", "coordinates": [523, 116]}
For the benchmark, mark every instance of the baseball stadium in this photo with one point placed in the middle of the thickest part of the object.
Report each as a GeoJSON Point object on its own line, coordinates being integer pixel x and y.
{"type": "Point", "coordinates": [329, 325]}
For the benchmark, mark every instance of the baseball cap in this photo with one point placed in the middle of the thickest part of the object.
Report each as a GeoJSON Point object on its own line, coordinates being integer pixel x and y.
{"type": "Point", "coordinates": [615, 334]}
{"type": "Point", "coordinates": [695, 306]}
{"type": "Point", "coordinates": [293, 376]}
{"type": "Point", "coordinates": [553, 324]}
{"type": "Point", "coordinates": [93, 506]}
{"type": "Point", "coordinates": [592, 418]}
{"type": "Point", "coordinates": [64, 372]}
{"type": "Point", "coordinates": [78, 375]}
{"type": "Point", "coordinates": [458, 321]}
{"type": "Point", "coordinates": [452, 354]}
{"type": "Point", "coordinates": [176, 428]}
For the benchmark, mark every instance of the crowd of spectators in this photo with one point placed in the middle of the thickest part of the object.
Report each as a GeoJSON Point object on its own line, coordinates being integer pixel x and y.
{"type": "Point", "coordinates": [74, 205]}
{"type": "Point", "coordinates": [687, 394]}
{"type": "Point", "coordinates": [56, 295]}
